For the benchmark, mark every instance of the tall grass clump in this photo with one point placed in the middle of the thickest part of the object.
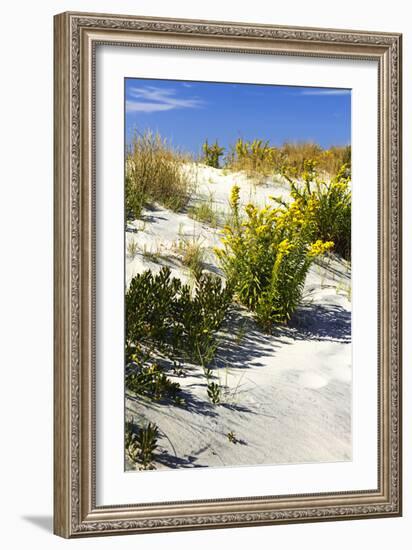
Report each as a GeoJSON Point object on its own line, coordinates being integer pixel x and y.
{"type": "Point", "coordinates": [192, 255]}
{"type": "Point", "coordinates": [256, 158]}
{"type": "Point", "coordinates": [260, 159]}
{"type": "Point", "coordinates": [155, 173]}
{"type": "Point", "coordinates": [331, 160]}
{"type": "Point", "coordinates": [266, 255]}
{"type": "Point", "coordinates": [331, 203]}
{"type": "Point", "coordinates": [295, 156]}
{"type": "Point", "coordinates": [205, 212]}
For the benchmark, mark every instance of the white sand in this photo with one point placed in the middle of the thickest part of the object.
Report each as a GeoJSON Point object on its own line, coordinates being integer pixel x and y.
{"type": "Point", "coordinates": [286, 396]}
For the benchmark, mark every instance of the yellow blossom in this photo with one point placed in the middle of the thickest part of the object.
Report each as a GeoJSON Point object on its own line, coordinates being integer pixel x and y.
{"type": "Point", "coordinates": [234, 196]}
{"type": "Point", "coordinates": [284, 247]}
{"type": "Point", "coordinates": [319, 247]}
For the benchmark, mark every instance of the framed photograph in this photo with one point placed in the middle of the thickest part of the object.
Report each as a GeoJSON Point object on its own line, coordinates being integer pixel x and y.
{"type": "Point", "coordinates": [227, 274]}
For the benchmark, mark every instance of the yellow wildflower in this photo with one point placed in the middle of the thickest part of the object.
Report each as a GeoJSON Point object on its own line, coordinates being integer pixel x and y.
{"type": "Point", "coordinates": [234, 196]}
{"type": "Point", "coordinates": [284, 247]}
{"type": "Point", "coordinates": [319, 247]}
{"type": "Point", "coordinates": [261, 229]}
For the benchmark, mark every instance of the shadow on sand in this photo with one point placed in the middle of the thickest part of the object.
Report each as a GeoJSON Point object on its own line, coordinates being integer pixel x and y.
{"type": "Point", "coordinates": [151, 214]}
{"type": "Point", "coordinates": [331, 323]}
{"type": "Point", "coordinates": [243, 342]}
{"type": "Point", "coordinates": [171, 461]}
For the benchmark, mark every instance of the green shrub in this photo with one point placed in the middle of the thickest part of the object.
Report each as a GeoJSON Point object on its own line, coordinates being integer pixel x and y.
{"type": "Point", "coordinates": [212, 153]}
{"type": "Point", "coordinates": [201, 316]}
{"type": "Point", "coordinates": [164, 313]}
{"type": "Point", "coordinates": [150, 307]}
{"type": "Point", "coordinates": [266, 255]}
{"type": "Point", "coordinates": [155, 173]}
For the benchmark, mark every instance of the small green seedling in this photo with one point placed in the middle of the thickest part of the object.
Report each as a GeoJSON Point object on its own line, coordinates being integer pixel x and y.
{"type": "Point", "coordinates": [232, 437]}
{"type": "Point", "coordinates": [213, 392]}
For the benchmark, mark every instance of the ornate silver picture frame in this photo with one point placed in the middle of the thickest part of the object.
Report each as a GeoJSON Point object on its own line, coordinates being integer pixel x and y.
{"type": "Point", "coordinates": [77, 511]}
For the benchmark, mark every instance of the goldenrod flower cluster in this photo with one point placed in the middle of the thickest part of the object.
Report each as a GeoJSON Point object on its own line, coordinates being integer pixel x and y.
{"type": "Point", "coordinates": [319, 248]}
{"type": "Point", "coordinates": [284, 247]}
{"type": "Point", "coordinates": [267, 252]}
{"type": "Point", "coordinates": [235, 196]}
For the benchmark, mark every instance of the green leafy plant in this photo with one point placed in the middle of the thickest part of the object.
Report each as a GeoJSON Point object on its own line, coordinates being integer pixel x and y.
{"type": "Point", "coordinates": [266, 255]}
{"type": "Point", "coordinates": [214, 393]}
{"type": "Point", "coordinates": [177, 369]}
{"type": "Point", "coordinates": [212, 153]}
{"type": "Point", "coordinates": [150, 307]}
{"type": "Point", "coordinates": [200, 315]}
{"type": "Point", "coordinates": [150, 380]}
{"type": "Point", "coordinates": [181, 322]}
{"type": "Point", "coordinates": [141, 444]}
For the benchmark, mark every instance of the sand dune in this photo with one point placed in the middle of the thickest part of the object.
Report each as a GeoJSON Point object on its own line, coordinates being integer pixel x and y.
{"type": "Point", "coordinates": [286, 396]}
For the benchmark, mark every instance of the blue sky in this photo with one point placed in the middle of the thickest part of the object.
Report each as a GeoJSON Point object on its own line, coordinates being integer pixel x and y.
{"type": "Point", "coordinates": [186, 113]}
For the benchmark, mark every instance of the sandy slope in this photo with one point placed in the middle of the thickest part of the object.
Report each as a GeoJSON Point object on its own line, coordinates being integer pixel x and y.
{"type": "Point", "coordinates": [287, 396]}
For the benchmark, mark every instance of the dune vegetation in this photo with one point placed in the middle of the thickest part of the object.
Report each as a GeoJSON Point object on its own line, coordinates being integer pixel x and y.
{"type": "Point", "coordinates": [154, 174]}
{"type": "Point", "coordinates": [284, 211]}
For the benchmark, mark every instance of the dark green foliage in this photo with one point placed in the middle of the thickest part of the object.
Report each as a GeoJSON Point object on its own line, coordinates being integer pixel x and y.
{"type": "Point", "coordinates": [213, 392]}
{"type": "Point", "coordinates": [151, 307]}
{"type": "Point", "coordinates": [162, 312]}
{"type": "Point", "coordinates": [283, 289]}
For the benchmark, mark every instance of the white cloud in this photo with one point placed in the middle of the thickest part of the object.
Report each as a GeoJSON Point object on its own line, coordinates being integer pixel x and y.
{"type": "Point", "coordinates": [151, 99]}
{"type": "Point", "coordinates": [325, 91]}
{"type": "Point", "coordinates": [146, 107]}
